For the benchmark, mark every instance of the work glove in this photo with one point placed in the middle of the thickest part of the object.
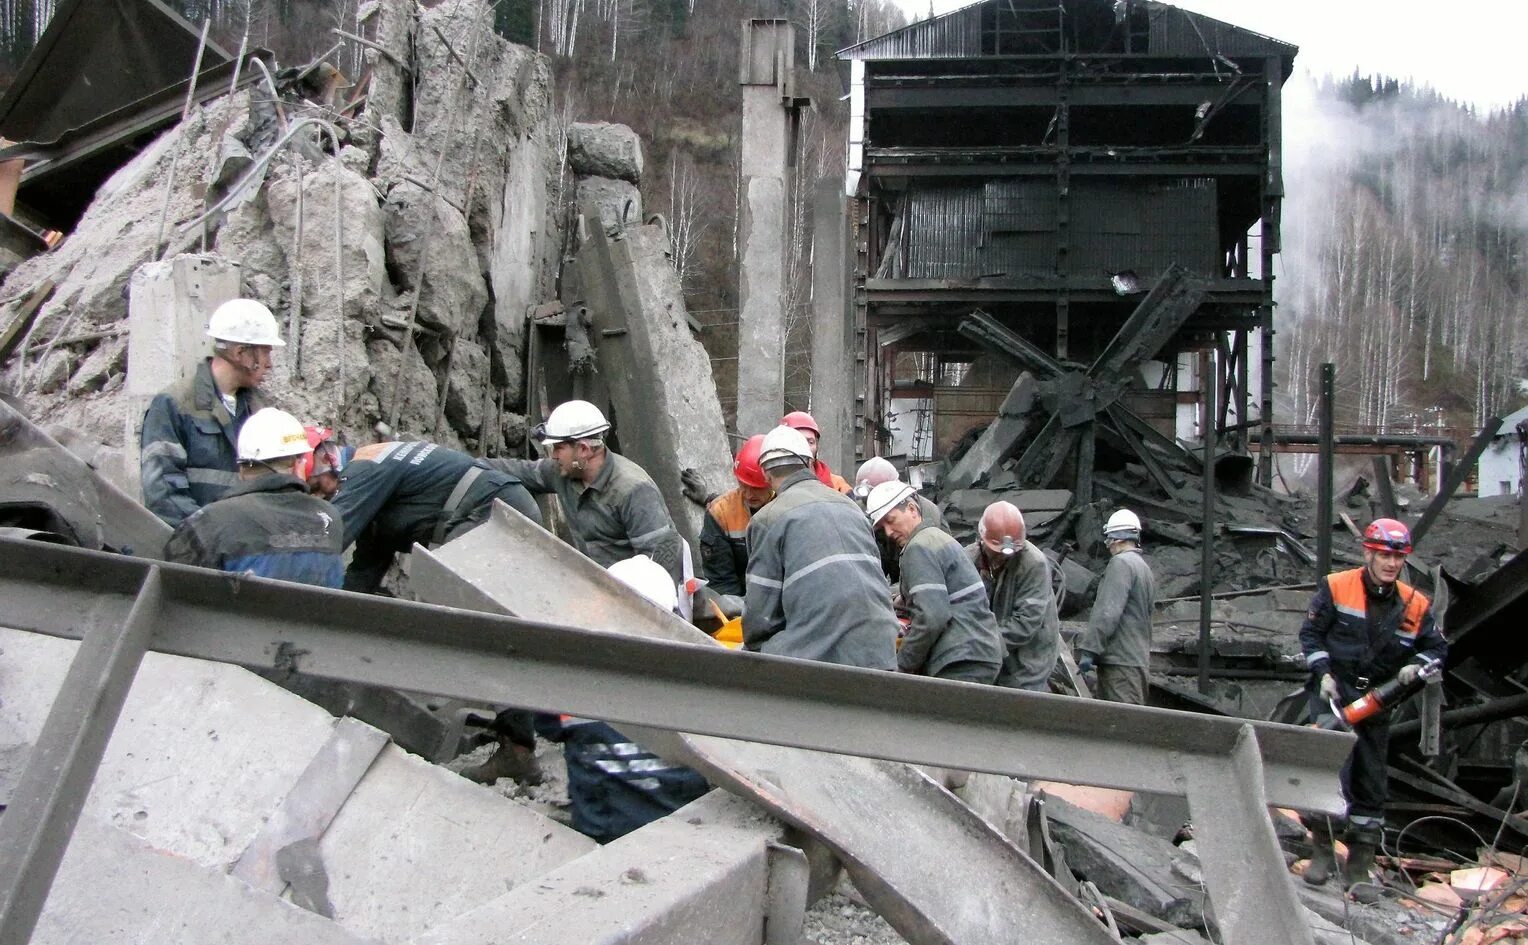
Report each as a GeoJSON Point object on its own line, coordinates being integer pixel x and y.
{"type": "Point", "coordinates": [1408, 674]}
{"type": "Point", "coordinates": [1329, 688]}
{"type": "Point", "coordinates": [1085, 663]}
{"type": "Point", "coordinates": [694, 487]}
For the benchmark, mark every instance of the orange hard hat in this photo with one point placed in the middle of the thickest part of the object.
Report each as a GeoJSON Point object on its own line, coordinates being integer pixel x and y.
{"type": "Point", "coordinates": [746, 467]}
{"type": "Point", "coordinates": [800, 420]}
{"type": "Point", "coordinates": [323, 454]}
{"type": "Point", "coordinates": [1002, 528]}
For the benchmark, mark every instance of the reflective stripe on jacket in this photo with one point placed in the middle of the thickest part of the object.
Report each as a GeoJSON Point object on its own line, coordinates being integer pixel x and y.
{"type": "Point", "coordinates": [724, 543]}
{"type": "Point", "coordinates": [269, 527]}
{"type": "Point", "coordinates": [189, 445]}
{"type": "Point", "coordinates": [1342, 635]}
{"type": "Point", "coordinates": [815, 588]}
{"type": "Point", "coordinates": [951, 622]}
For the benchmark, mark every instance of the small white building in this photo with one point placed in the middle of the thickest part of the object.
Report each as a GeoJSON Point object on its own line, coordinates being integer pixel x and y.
{"type": "Point", "coordinates": [1501, 466]}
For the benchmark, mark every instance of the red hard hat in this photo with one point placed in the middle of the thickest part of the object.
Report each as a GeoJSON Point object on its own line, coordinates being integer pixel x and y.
{"type": "Point", "coordinates": [746, 467]}
{"type": "Point", "coordinates": [1386, 534]}
{"type": "Point", "coordinates": [1002, 528]}
{"type": "Point", "coordinates": [800, 420]}
{"type": "Point", "coordinates": [317, 436]}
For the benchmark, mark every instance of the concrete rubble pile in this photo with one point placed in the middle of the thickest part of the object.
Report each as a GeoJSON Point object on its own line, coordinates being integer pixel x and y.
{"type": "Point", "coordinates": [402, 268]}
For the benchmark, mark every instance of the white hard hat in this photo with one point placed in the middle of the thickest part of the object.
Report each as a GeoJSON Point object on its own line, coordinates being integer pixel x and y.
{"type": "Point", "coordinates": [1123, 524]}
{"type": "Point", "coordinates": [573, 420]}
{"type": "Point", "coordinates": [885, 497]}
{"type": "Point", "coordinates": [244, 322]}
{"type": "Point", "coordinates": [271, 434]}
{"type": "Point", "coordinates": [648, 578]}
{"type": "Point", "coordinates": [784, 445]}
{"type": "Point", "coordinates": [873, 472]}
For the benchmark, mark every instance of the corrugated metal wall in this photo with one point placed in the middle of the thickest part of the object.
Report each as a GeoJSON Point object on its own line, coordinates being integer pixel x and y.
{"type": "Point", "coordinates": [956, 35]}
{"type": "Point", "coordinates": [1007, 228]}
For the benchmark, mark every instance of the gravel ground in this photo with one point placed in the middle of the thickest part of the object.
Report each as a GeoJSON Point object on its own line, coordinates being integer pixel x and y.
{"type": "Point", "coordinates": [839, 920]}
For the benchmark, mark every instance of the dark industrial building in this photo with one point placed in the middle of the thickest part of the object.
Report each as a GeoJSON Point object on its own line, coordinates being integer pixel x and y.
{"type": "Point", "coordinates": [1044, 162]}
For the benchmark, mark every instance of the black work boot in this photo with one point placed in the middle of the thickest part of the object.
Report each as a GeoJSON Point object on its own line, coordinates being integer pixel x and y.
{"type": "Point", "coordinates": [509, 760]}
{"type": "Point", "coordinates": [1357, 872]}
{"type": "Point", "coordinates": [1323, 857]}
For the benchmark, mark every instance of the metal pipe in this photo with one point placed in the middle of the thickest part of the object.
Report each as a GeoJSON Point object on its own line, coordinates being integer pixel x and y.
{"type": "Point", "coordinates": [1507, 707]}
{"type": "Point", "coordinates": [1324, 472]}
{"type": "Point", "coordinates": [1208, 384]}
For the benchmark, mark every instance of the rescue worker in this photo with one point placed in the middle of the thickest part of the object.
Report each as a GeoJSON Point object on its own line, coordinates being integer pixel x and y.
{"type": "Point", "coordinates": [395, 494]}
{"type": "Point", "coordinates": [1017, 576]}
{"type": "Point", "coordinates": [268, 525]}
{"type": "Point", "coordinates": [188, 446]}
{"type": "Point", "coordinates": [1117, 641]}
{"type": "Point", "coordinates": [614, 784]}
{"type": "Point", "coordinates": [724, 532]}
{"type": "Point", "coordinates": [613, 508]}
{"type": "Point", "coordinates": [872, 472]}
{"type": "Point", "coordinates": [1365, 626]}
{"type": "Point", "coordinates": [952, 633]}
{"type": "Point", "coordinates": [802, 421]}
{"type": "Point", "coordinates": [815, 589]}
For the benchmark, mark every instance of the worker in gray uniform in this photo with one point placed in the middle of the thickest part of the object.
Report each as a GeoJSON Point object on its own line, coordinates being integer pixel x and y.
{"type": "Point", "coordinates": [267, 526]}
{"type": "Point", "coordinates": [872, 472]}
{"type": "Point", "coordinates": [952, 633]}
{"type": "Point", "coordinates": [815, 588]}
{"type": "Point", "coordinates": [1017, 576]}
{"type": "Point", "coordinates": [613, 508]}
{"type": "Point", "coordinates": [398, 494]}
{"type": "Point", "coordinates": [189, 442]}
{"type": "Point", "coordinates": [1118, 638]}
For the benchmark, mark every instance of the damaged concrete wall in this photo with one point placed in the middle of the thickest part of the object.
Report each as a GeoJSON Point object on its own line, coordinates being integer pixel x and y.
{"type": "Point", "coordinates": [440, 216]}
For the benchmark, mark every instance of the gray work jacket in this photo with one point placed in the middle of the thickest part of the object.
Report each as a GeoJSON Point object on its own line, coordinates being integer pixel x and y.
{"type": "Point", "coordinates": [815, 588]}
{"type": "Point", "coordinates": [1024, 605]}
{"type": "Point", "coordinates": [1119, 628]}
{"type": "Point", "coordinates": [189, 445]}
{"type": "Point", "coordinates": [951, 622]}
{"type": "Point", "coordinates": [618, 515]}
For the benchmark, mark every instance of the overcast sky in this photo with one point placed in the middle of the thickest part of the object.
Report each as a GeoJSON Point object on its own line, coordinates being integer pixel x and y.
{"type": "Point", "coordinates": [1469, 50]}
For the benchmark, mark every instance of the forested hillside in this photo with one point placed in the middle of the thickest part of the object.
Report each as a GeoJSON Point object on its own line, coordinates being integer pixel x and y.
{"type": "Point", "coordinates": [1405, 225]}
{"type": "Point", "coordinates": [1405, 233]}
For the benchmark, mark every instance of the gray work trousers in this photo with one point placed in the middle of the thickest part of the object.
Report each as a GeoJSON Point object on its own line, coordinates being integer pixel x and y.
{"type": "Point", "coordinates": [1126, 684]}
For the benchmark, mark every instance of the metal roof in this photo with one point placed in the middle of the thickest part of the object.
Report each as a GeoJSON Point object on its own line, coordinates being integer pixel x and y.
{"type": "Point", "coordinates": [1174, 32]}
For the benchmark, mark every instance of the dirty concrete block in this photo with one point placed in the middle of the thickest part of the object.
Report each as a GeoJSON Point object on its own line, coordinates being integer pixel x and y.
{"type": "Point", "coordinates": [617, 203]}
{"type": "Point", "coordinates": [1001, 437]}
{"type": "Point", "coordinates": [965, 506]}
{"type": "Point", "coordinates": [430, 251]}
{"type": "Point", "coordinates": [186, 769]}
{"type": "Point", "coordinates": [603, 149]}
{"type": "Point", "coordinates": [414, 390]}
{"type": "Point", "coordinates": [514, 427]}
{"type": "Point", "coordinates": [52, 372]}
{"type": "Point", "coordinates": [472, 844]}
{"type": "Point", "coordinates": [108, 358]}
{"type": "Point", "coordinates": [391, 26]}
{"type": "Point", "coordinates": [1293, 601]}
{"type": "Point", "coordinates": [114, 887]}
{"type": "Point", "coordinates": [1001, 801]}
{"type": "Point", "coordinates": [468, 393]}
{"type": "Point", "coordinates": [524, 254]}
{"type": "Point", "coordinates": [667, 414]}
{"type": "Point", "coordinates": [325, 370]}
{"type": "Point", "coordinates": [356, 273]}
{"type": "Point", "coordinates": [1126, 863]}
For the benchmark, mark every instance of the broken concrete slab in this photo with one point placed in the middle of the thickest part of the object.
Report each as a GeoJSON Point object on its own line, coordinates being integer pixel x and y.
{"type": "Point", "coordinates": [113, 886]}
{"type": "Point", "coordinates": [701, 874]}
{"type": "Point", "coordinates": [429, 251]}
{"type": "Point", "coordinates": [1128, 864]}
{"type": "Point", "coordinates": [604, 149]}
{"type": "Point", "coordinates": [616, 204]}
{"type": "Point", "coordinates": [1001, 438]}
{"type": "Point", "coordinates": [667, 415]}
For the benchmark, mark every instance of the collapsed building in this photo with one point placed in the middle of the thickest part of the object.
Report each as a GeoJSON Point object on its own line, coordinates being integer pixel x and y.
{"type": "Point", "coordinates": [448, 260]}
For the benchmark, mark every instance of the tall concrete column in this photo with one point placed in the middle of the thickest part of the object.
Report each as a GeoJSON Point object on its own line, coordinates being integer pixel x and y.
{"type": "Point", "coordinates": [769, 112]}
{"type": "Point", "coordinates": [168, 305]}
{"type": "Point", "coordinates": [832, 329]}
